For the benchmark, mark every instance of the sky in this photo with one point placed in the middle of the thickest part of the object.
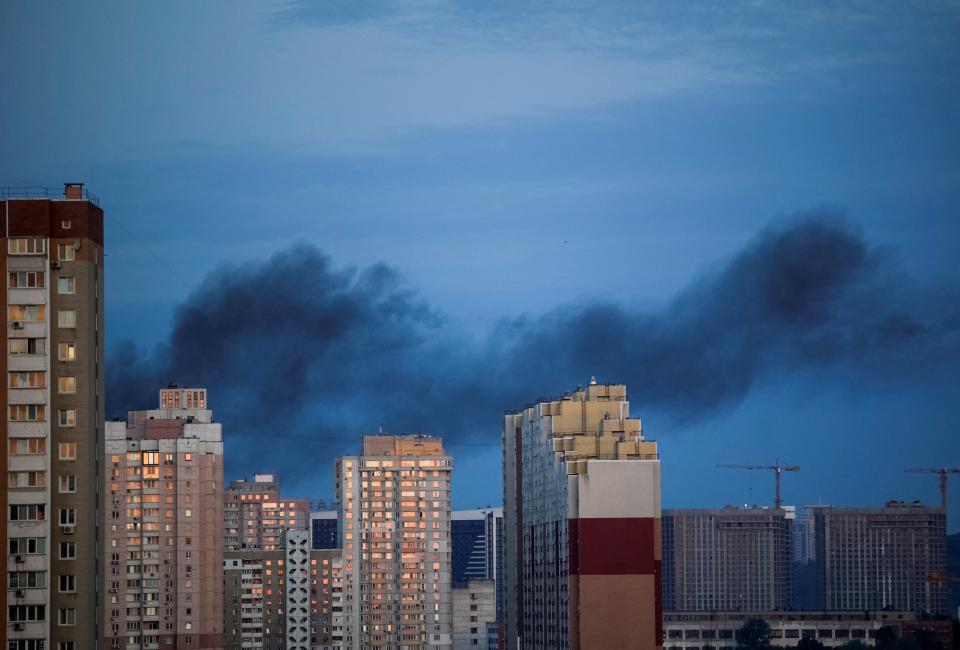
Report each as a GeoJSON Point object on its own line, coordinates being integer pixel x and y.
{"type": "Point", "coordinates": [415, 216]}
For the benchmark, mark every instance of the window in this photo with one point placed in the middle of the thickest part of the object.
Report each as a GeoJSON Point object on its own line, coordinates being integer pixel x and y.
{"type": "Point", "coordinates": [67, 285]}
{"type": "Point", "coordinates": [68, 645]}
{"type": "Point", "coordinates": [68, 550]}
{"type": "Point", "coordinates": [67, 351]}
{"type": "Point", "coordinates": [27, 246]}
{"type": "Point", "coordinates": [67, 417]}
{"type": "Point", "coordinates": [26, 313]}
{"type": "Point", "coordinates": [28, 545]}
{"type": "Point", "coordinates": [68, 516]}
{"type": "Point", "coordinates": [67, 616]}
{"type": "Point", "coordinates": [28, 512]}
{"type": "Point", "coordinates": [67, 450]}
{"type": "Point", "coordinates": [28, 579]}
{"type": "Point", "coordinates": [28, 379]}
{"type": "Point", "coordinates": [66, 385]}
{"type": "Point", "coordinates": [66, 252]}
{"type": "Point", "coordinates": [27, 479]}
{"type": "Point", "coordinates": [26, 613]}
{"type": "Point", "coordinates": [27, 279]}
{"type": "Point", "coordinates": [27, 346]}
{"type": "Point", "coordinates": [67, 318]}
{"type": "Point", "coordinates": [28, 412]}
{"type": "Point", "coordinates": [67, 583]}
{"type": "Point", "coordinates": [65, 224]}
{"type": "Point", "coordinates": [27, 446]}
{"type": "Point", "coordinates": [26, 644]}
{"type": "Point", "coordinates": [67, 483]}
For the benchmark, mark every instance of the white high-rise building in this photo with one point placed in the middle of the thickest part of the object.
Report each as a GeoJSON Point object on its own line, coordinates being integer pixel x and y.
{"type": "Point", "coordinates": [395, 508]}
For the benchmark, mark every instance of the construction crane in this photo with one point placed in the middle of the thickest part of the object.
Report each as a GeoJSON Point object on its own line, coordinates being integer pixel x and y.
{"type": "Point", "coordinates": [778, 469]}
{"type": "Point", "coordinates": [943, 472]}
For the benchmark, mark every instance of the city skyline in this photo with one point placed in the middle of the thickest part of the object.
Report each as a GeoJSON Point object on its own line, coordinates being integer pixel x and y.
{"type": "Point", "coordinates": [471, 180]}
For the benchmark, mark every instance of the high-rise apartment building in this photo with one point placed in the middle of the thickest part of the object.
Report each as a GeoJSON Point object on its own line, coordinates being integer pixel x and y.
{"type": "Point", "coordinates": [53, 256]}
{"type": "Point", "coordinates": [265, 603]}
{"type": "Point", "coordinates": [478, 539]}
{"type": "Point", "coordinates": [163, 510]}
{"type": "Point", "coordinates": [582, 521]}
{"type": "Point", "coordinates": [395, 510]}
{"type": "Point", "coordinates": [255, 516]}
{"type": "Point", "coordinates": [881, 558]}
{"type": "Point", "coordinates": [727, 559]}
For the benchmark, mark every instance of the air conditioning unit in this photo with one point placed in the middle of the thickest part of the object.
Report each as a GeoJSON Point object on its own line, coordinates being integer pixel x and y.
{"type": "Point", "coordinates": [54, 264]}
{"type": "Point", "coordinates": [20, 593]}
{"type": "Point", "coordinates": [18, 559]}
{"type": "Point", "coordinates": [17, 325]}
{"type": "Point", "coordinates": [67, 530]}
{"type": "Point", "coordinates": [18, 627]}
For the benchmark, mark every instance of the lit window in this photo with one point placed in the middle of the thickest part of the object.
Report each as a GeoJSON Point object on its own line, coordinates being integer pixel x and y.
{"type": "Point", "coordinates": [67, 351]}
{"type": "Point", "coordinates": [65, 224]}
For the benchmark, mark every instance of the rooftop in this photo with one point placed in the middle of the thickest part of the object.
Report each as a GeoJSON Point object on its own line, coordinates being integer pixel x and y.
{"type": "Point", "coordinates": [69, 192]}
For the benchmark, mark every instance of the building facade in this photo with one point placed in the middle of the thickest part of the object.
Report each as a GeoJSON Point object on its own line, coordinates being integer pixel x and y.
{"type": "Point", "coordinates": [395, 509]}
{"type": "Point", "coordinates": [582, 522]}
{"type": "Point", "coordinates": [53, 254]}
{"type": "Point", "coordinates": [259, 606]}
{"type": "Point", "coordinates": [717, 630]}
{"type": "Point", "coordinates": [475, 615]}
{"type": "Point", "coordinates": [876, 558]}
{"type": "Point", "coordinates": [727, 559]}
{"type": "Point", "coordinates": [255, 516]}
{"type": "Point", "coordinates": [163, 542]}
{"type": "Point", "coordinates": [324, 529]}
{"type": "Point", "coordinates": [478, 549]}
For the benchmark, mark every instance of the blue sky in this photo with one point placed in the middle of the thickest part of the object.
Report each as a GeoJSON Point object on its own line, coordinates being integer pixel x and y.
{"type": "Point", "coordinates": [510, 159]}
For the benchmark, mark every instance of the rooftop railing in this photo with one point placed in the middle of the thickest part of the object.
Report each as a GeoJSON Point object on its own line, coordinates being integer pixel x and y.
{"type": "Point", "coordinates": [38, 192]}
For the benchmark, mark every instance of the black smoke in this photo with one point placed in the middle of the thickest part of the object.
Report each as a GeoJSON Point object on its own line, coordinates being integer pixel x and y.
{"type": "Point", "coordinates": [300, 356]}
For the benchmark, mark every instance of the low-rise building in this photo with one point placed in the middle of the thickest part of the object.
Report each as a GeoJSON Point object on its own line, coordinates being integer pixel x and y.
{"type": "Point", "coordinates": [475, 615]}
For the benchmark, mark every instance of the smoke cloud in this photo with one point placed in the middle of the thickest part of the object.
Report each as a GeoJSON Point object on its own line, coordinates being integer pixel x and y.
{"type": "Point", "coordinates": [300, 356]}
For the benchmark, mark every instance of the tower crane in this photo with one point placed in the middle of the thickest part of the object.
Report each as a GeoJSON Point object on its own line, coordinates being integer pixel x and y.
{"type": "Point", "coordinates": [777, 468]}
{"type": "Point", "coordinates": [943, 472]}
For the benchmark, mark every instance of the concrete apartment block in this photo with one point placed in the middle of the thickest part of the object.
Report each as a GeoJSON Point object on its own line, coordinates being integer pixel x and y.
{"type": "Point", "coordinates": [475, 615]}
{"type": "Point", "coordinates": [53, 291]}
{"type": "Point", "coordinates": [163, 543]}
{"type": "Point", "coordinates": [395, 509]}
{"type": "Point", "coordinates": [582, 521]}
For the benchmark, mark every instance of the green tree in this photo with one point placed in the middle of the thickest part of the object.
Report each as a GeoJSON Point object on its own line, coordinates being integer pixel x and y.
{"type": "Point", "coordinates": [810, 644]}
{"type": "Point", "coordinates": [754, 635]}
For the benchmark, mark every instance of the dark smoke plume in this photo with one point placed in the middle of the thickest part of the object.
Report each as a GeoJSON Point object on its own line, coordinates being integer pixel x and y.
{"type": "Point", "coordinates": [301, 357]}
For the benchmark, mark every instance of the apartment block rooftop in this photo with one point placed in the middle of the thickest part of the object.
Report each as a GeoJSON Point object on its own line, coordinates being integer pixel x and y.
{"type": "Point", "coordinates": [70, 192]}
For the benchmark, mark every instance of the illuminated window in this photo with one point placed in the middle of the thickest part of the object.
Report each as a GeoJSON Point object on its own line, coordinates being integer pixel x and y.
{"type": "Point", "coordinates": [26, 313]}
{"type": "Point", "coordinates": [67, 351]}
{"type": "Point", "coordinates": [27, 246]}
{"type": "Point", "coordinates": [67, 450]}
{"type": "Point", "coordinates": [28, 412]}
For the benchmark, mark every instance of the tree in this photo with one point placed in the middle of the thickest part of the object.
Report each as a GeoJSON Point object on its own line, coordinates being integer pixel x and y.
{"type": "Point", "coordinates": [754, 635]}
{"type": "Point", "coordinates": [854, 644]}
{"type": "Point", "coordinates": [810, 644]}
{"type": "Point", "coordinates": [886, 638]}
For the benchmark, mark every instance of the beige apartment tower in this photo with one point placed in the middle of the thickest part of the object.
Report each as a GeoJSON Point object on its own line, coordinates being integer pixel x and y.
{"type": "Point", "coordinates": [255, 517]}
{"type": "Point", "coordinates": [163, 547]}
{"type": "Point", "coordinates": [53, 292]}
{"type": "Point", "coordinates": [395, 507]}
